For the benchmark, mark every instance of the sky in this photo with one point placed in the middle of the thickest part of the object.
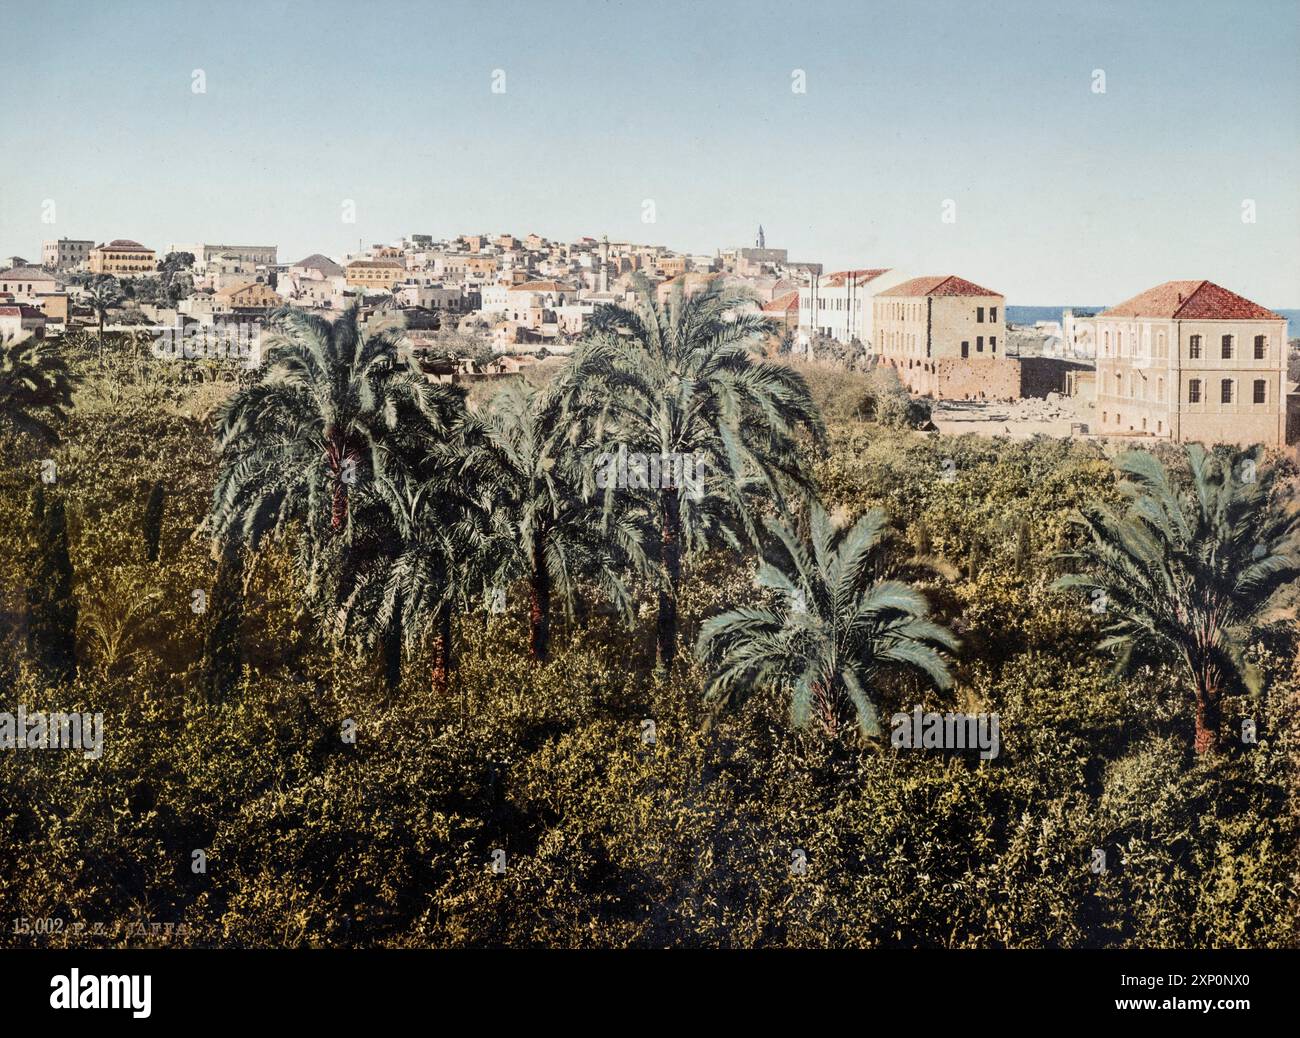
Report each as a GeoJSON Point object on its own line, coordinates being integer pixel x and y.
{"type": "Point", "coordinates": [1061, 194]}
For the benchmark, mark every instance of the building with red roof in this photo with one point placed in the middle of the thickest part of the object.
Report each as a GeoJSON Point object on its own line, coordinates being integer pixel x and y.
{"type": "Point", "coordinates": [1192, 361]}
{"type": "Point", "coordinates": [946, 337]}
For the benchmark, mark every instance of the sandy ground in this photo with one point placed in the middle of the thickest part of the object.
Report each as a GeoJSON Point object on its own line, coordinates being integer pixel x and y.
{"type": "Point", "coordinates": [1020, 420]}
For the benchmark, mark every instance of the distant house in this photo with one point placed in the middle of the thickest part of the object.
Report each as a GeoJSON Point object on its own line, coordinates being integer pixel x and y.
{"type": "Point", "coordinates": [122, 258]}
{"type": "Point", "coordinates": [66, 253]}
{"type": "Point", "coordinates": [18, 322]}
{"type": "Point", "coordinates": [839, 305]}
{"type": "Point", "coordinates": [1190, 360]}
{"type": "Point", "coordinates": [946, 337]}
{"type": "Point", "coordinates": [374, 274]}
{"type": "Point", "coordinates": [252, 295]}
{"type": "Point", "coordinates": [317, 266]}
{"type": "Point", "coordinates": [26, 284]}
{"type": "Point", "coordinates": [784, 312]}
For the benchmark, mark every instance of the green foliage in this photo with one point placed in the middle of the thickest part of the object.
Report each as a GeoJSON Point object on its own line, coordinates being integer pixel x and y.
{"type": "Point", "coordinates": [151, 523]}
{"type": "Point", "coordinates": [223, 662]}
{"type": "Point", "coordinates": [1186, 575]}
{"type": "Point", "coordinates": [314, 840]}
{"type": "Point", "coordinates": [51, 607]}
{"type": "Point", "coordinates": [837, 631]}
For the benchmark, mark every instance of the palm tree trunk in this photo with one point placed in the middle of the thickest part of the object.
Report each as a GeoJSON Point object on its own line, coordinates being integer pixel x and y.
{"type": "Point", "coordinates": [393, 659]}
{"type": "Point", "coordinates": [539, 612]}
{"type": "Point", "coordinates": [666, 625]}
{"type": "Point", "coordinates": [443, 662]}
{"type": "Point", "coordinates": [1209, 714]}
{"type": "Point", "coordinates": [339, 508]}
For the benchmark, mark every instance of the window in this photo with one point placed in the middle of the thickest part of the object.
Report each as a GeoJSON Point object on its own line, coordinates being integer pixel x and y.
{"type": "Point", "coordinates": [993, 343]}
{"type": "Point", "coordinates": [979, 344]}
{"type": "Point", "coordinates": [1194, 347]}
{"type": "Point", "coordinates": [1194, 391]}
{"type": "Point", "coordinates": [993, 313]}
{"type": "Point", "coordinates": [1261, 391]}
{"type": "Point", "coordinates": [1261, 347]}
{"type": "Point", "coordinates": [979, 314]}
{"type": "Point", "coordinates": [1225, 391]}
{"type": "Point", "coordinates": [1227, 349]}
{"type": "Point", "coordinates": [965, 349]}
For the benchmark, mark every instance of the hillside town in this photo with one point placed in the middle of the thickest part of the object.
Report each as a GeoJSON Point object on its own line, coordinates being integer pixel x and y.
{"type": "Point", "coordinates": [1184, 360]}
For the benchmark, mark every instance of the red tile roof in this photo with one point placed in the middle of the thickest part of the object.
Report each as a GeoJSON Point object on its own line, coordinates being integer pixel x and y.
{"type": "Point", "coordinates": [783, 304]}
{"type": "Point", "coordinates": [21, 310]}
{"type": "Point", "coordinates": [939, 285]}
{"type": "Point", "coordinates": [1191, 301]}
{"type": "Point", "coordinates": [860, 277]}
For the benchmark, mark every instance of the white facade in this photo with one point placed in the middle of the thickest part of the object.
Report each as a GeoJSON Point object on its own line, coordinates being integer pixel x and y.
{"type": "Point", "coordinates": [839, 305]}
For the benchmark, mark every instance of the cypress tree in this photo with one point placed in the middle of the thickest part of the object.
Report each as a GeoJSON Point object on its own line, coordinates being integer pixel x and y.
{"type": "Point", "coordinates": [223, 656]}
{"type": "Point", "coordinates": [151, 526]}
{"type": "Point", "coordinates": [51, 607]}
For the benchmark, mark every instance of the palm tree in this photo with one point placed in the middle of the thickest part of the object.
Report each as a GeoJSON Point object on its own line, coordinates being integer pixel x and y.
{"type": "Point", "coordinates": [420, 533]}
{"type": "Point", "coordinates": [1186, 573]}
{"type": "Point", "coordinates": [681, 382]}
{"type": "Point", "coordinates": [840, 627]}
{"type": "Point", "coordinates": [531, 460]}
{"type": "Point", "coordinates": [294, 443]}
{"type": "Point", "coordinates": [35, 388]}
{"type": "Point", "coordinates": [102, 294]}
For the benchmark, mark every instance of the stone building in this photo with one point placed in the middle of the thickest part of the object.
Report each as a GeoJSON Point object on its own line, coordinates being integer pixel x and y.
{"type": "Point", "coordinates": [66, 254]}
{"type": "Point", "coordinates": [1190, 360]}
{"type": "Point", "coordinates": [946, 337]}
{"type": "Point", "coordinates": [122, 258]}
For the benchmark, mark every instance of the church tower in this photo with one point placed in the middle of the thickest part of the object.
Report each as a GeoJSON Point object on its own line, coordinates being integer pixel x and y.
{"type": "Point", "coordinates": [761, 241]}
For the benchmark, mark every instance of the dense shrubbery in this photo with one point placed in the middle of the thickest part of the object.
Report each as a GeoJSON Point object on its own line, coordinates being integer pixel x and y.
{"type": "Point", "coordinates": [315, 840]}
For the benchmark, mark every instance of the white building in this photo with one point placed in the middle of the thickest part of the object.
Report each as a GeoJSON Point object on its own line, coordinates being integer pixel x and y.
{"type": "Point", "coordinates": [838, 305]}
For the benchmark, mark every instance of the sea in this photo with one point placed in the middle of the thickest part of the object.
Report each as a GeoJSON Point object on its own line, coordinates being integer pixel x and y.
{"type": "Point", "coordinates": [1032, 314]}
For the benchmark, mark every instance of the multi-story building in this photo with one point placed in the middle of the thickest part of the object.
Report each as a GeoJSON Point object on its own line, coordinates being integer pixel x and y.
{"type": "Point", "coordinates": [252, 295]}
{"type": "Point", "coordinates": [838, 305]}
{"type": "Point", "coordinates": [1190, 360]}
{"type": "Point", "coordinates": [252, 255]}
{"type": "Point", "coordinates": [374, 274]}
{"type": "Point", "coordinates": [122, 258]}
{"type": "Point", "coordinates": [66, 254]}
{"type": "Point", "coordinates": [946, 337]}
{"type": "Point", "coordinates": [20, 321]}
{"type": "Point", "coordinates": [26, 284]}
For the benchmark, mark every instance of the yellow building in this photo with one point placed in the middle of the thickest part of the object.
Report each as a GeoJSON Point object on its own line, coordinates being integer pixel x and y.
{"type": "Point", "coordinates": [253, 295]}
{"type": "Point", "coordinates": [946, 337]}
{"type": "Point", "coordinates": [122, 258]}
{"type": "Point", "coordinates": [377, 274]}
{"type": "Point", "coordinates": [1189, 360]}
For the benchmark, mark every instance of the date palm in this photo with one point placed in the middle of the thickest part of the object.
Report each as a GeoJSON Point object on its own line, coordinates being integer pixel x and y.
{"type": "Point", "coordinates": [546, 529]}
{"type": "Point", "coordinates": [417, 540]}
{"type": "Point", "coordinates": [35, 388]}
{"type": "Point", "coordinates": [1187, 572]}
{"type": "Point", "coordinates": [102, 293]}
{"type": "Point", "coordinates": [295, 443]}
{"type": "Point", "coordinates": [682, 379]}
{"type": "Point", "coordinates": [841, 626]}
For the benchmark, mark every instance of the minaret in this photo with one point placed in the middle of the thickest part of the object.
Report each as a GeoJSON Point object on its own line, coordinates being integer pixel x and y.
{"type": "Point", "coordinates": [602, 281]}
{"type": "Point", "coordinates": [761, 242]}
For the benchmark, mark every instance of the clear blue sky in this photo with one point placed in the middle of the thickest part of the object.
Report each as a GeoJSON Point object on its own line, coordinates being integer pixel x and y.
{"type": "Point", "coordinates": [1063, 195]}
